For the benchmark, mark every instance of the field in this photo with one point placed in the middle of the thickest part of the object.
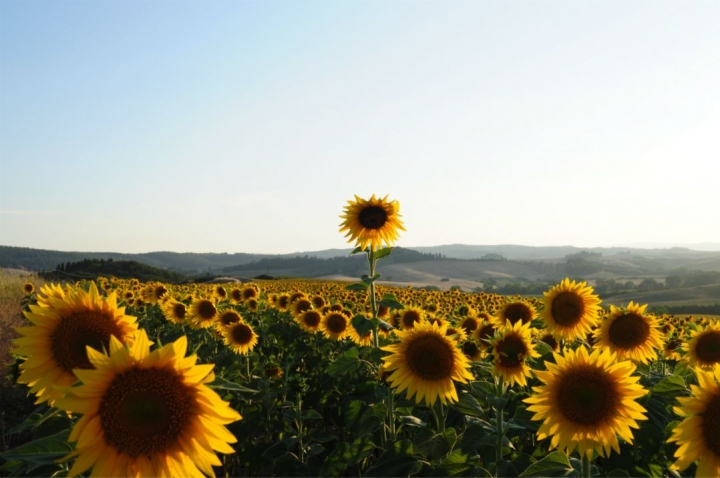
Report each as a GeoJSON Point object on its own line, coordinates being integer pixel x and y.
{"type": "Point", "coordinates": [309, 370]}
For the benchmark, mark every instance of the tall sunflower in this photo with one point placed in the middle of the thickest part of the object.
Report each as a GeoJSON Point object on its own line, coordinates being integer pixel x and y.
{"type": "Point", "coordinates": [511, 346]}
{"type": "Point", "coordinates": [426, 362]}
{"type": "Point", "coordinates": [372, 222]}
{"type": "Point", "coordinates": [630, 333]}
{"type": "Point", "coordinates": [62, 329]}
{"type": "Point", "coordinates": [703, 348]}
{"type": "Point", "coordinates": [570, 310]}
{"type": "Point", "coordinates": [698, 435]}
{"type": "Point", "coordinates": [586, 401]}
{"type": "Point", "coordinates": [147, 413]}
{"type": "Point", "coordinates": [309, 320]}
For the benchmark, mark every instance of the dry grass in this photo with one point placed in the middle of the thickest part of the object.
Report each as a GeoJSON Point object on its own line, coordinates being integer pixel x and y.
{"type": "Point", "coordinates": [14, 402]}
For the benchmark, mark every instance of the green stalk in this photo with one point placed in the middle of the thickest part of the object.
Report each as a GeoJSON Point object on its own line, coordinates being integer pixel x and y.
{"type": "Point", "coordinates": [439, 416]}
{"type": "Point", "coordinates": [373, 300]}
{"type": "Point", "coordinates": [585, 466]}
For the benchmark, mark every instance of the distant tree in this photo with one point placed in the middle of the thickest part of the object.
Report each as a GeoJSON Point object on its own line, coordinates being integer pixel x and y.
{"type": "Point", "coordinates": [673, 281]}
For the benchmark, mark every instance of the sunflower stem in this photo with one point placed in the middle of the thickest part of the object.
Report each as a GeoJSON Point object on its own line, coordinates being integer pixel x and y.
{"type": "Point", "coordinates": [439, 416]}
{"type": "Point", "coordinates": [373, 300]}
{"type": "Point", "coordinates": [585, 466]}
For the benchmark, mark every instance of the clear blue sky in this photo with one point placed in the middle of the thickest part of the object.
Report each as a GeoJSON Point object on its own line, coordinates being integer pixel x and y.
{"type": "Point", "coordinates": [245, 126]}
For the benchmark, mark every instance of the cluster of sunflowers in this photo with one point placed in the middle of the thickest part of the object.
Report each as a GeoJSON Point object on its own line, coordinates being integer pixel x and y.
{"type": "Point", "coordinates": [152, 413]}
{"type": "Point", "coordinates": [143, 412]}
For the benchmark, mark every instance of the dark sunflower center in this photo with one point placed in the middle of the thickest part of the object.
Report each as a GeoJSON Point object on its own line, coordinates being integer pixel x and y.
{"type": "Point", "coordinates": [518, 312]}
{"type": "Point", "coordinates": [711, 425]}
{"type": "Point", "coordinates": [179, 310]}
{"type": "Point", "coordinates": [430, 357]}
{"type": "Point", "coordinates": [470, 349]}
{"type": "Point", "coordinates": [550, 340]}
{"type": "Point", "coordinates": [160, 291]}
{"type": "Point", "coordinates": [229, 318]}
{"type": "Point", "coordinates": [486, 331]}
{"type": "Point", "coordinates": [146, 411]}
{"type": "Point", "coordinates": [242, 334]}
{"type": "Point", "coordinates": [567, 308]}
{"type": "Point", "coordinates": [337, 323]}
{"type": "Point", "coordinates": [409, 318]}
{"type": "Point", "coordinates": [469, 325]}
{"type": "Point", "coordinates": [236, 295]}
{"type": "Point", "coordinates": [372, 217]}
{"type": "Point", "coordinates": [302, 305]}
{"type": "Point", "coordinates": [206, 309]}
{"type": "Point", "coordinates": [249, 293]}
{"type": "Point", "coordinates": [311, 318]}
{"type": "Point", "coordinates": [587, 396]}
{"type": "Point", "coordinates": [707, 347]}
{"type": "Point", "coordinates": [81, 329]}
{"type": "Point", "coordinates": [511, 351]}
{"type": "Point", "coordinates": [283, 301]}
{"type": "Point", "coordinates": [628, 331]}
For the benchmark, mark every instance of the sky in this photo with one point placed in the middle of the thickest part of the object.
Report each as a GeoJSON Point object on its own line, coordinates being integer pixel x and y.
{"type": "Point", "coordinates": [246, 126]}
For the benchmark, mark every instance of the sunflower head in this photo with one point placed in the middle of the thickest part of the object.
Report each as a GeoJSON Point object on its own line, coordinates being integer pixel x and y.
{"type": "Point", "coordinates": [240, 337]}
{"type": "Point", "coordinates": [147, 413]}
{"type": "Point", "coordinates": [28, 288]}
{"type": "Point", "coordinates": [371, 222]}
{"type": "Point", "coordinates": [703, 347]}
{"type": "Point", "coordinates": [335, 325]}
{"type": "Point", "coordinates": [514, 312]}
{"type": "Point", "coordinates": [426, 363]}
{"type": "Point", "coordinates": [511, 347]}
{"type": "Point", "coordinates": [64, 328]}
{"type": "Point", "coordinates": [630, 333]}
{"type": "Point", "coordinates": [570, 310]}
{"type": "Point", "coordinates": [586, 401]}
{"type": "Point", "coordinates": [698, 435]}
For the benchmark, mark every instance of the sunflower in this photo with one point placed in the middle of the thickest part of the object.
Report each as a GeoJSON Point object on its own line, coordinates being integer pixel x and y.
{"type": "Point", "coordinates": [630, 333]}
{"type": "Point", "coordinates": [698, 435]}
{"type": "Point", "coordinates": [471, 349]}
{"type": "Point", "coordinates": [300, 305]}
{"type": "Point", "coordinates": [227, 318]}
{"type": "Point", "coordinates": [56, 342]}
{"type": "Point", "coordinates": [470, 324]}
{"type": "Point", "coordinates": [272, 370]}
{"type": "Point", "coordinates": [335, 325]}
{"type": "Point", "coordinates": [235, 295]}
{"type": "Point", "coordinates": [515, 311]}
{"type": "Point", "coordinates": [174, 311]}
{"type": "Point", "coordinates": [28, 288]}
{"type": "Point", "coordinates": [309, 320]}
{"type": "Point", "coordinates": [147, 413]}
{"type": "Point", "coordinates": [703, 348]}
{"type": "Point", "coordinates": [410, 317]}
{"type": "Point", "coordinates": [240, 337]}
{"type": "Point", "coordinates": [511, 346]}
{"type": "Point", "coordinates": [425, 363]}
{"type": "Point", "coordinates": [570, 310]}
{"type": "Point", "coordinates": [202, 313]}
{"type": "Point", "coordinates": [372, 222]}
{"type": "Point", "coordinates": [362, 340]}
{"type": "Point", "coordinates": [586, 401]}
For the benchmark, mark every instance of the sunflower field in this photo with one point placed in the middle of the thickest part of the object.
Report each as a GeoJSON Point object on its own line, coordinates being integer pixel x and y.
{"type": "Point", "coordinates": [328, 378]}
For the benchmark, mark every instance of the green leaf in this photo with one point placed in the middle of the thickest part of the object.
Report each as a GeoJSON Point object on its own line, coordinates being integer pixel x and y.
{"type": "Point", "coordinates": [369, 280]}
{"type": "Point", "coordinates": [43, 451]}
{"type": "Point", "coordinates": [357, 250]}
{"type": "Point", "coordinates": [670, 385]}
{"type": "Point", "coordinates": [380, 253]}
{"type": "Point", "coordinates": [346, 363]}
{"type": "Point", "coordinates": [222, 384]}
{"type": "Point", "coordinates": [554, 463]}
{"type": "Point", "coordinates": [391, 302]}
{"type": "Point", "coordinates": [618, 474]}
{"type": "Point", "coordinates": [357, 286]}
{"type": "Point", "coordinates": [363, 325]}
{"type": "Point", "coordinates": [312, 415]}
{"type": "Point", "coordinates": [468, 405]}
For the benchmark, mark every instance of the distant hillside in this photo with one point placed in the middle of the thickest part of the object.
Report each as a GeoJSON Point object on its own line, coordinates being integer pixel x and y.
{"type": "Point", "coordinates": [188, 262]}
{"type": "Point", "coordinates": [93, 268]}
